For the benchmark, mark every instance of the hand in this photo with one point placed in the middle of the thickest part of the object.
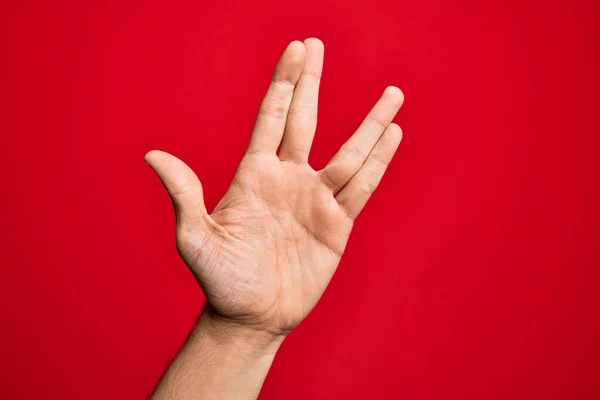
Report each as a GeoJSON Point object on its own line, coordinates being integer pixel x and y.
{"type": "Point", "coordinates": [267, 252]}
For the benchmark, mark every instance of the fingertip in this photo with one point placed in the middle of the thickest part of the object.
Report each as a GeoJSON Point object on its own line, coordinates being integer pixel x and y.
{"type": "Point", "coordinates": [152, 155]}
{"type": "Point", "coordinates": [148, 156]}
{"type": "Point", "coordinates": [291, 64]}
{"type": "Point", "coordinates": [313, 59]}
{"type": "Point", "coordinates": [295, 43]}
{"type": "Point", "coordinates": [395, 93]}
{"type": "Point", "coordinates": [393, 90]}
{"type": "Point", "coordinates": [390, 140]}
{"type": "Point", "coordinates": [316, 43]}
{"type": "Point", "coordinates": [395, 131]}
{"type": "Point", "coordinates": [296, 51]}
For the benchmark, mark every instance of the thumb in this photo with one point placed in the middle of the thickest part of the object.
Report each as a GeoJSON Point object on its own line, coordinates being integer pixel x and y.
{"type": "Point", "coordinates": [181, 182]}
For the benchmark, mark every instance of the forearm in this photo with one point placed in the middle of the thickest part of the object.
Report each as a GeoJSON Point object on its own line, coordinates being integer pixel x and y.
{"type": "Point", "coordinates": [220, 360]}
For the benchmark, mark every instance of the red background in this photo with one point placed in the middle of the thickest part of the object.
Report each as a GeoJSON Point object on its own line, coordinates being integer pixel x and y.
{"type": "Point", "coordinates": [472, 274]}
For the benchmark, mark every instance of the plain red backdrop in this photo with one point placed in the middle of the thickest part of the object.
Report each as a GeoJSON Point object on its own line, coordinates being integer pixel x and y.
{"type": "Point", "coordinates": [472, 273]}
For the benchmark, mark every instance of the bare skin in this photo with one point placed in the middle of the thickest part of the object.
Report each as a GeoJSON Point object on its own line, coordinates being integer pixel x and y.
{"type": "Point", "coordinates": [267, 252]}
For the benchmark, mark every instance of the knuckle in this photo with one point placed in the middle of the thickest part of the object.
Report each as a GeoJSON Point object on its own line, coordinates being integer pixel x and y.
{"type": "Point", "coordinates": [329, 178]}
{"type": "Point", "coordinates": [277, 81]}
{"type": "Point", "coordinates": [355, 154]}
{"type": "Point", "coordinates": [378, 159]}
{"type": "Point", "coordinates": [367, 185]}
{"type": "Point", "coordinates": [376, 121]}
{"type": "Point", "coordinates": [184, 188]}
{"type": "Point", "coordinates": [303, 112]}
{"type": "Point", "coordinates": [273, 110]}
{"type": "Point", "coordinates": [314, 75]}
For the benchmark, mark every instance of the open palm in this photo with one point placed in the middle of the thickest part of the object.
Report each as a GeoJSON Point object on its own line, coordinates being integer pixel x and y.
{"type": "Point", "coordinates": [268, 250]}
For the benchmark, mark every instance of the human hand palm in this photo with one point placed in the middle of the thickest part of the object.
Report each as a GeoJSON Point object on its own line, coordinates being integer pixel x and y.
{"type": "Point", "coordinates": [266, 253]}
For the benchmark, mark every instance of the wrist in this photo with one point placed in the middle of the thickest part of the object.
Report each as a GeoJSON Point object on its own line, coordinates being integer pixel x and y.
{"type": "Point", "coordinates": [221, 359]}
{"type": "Point", "coordinates": [244, 339]}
